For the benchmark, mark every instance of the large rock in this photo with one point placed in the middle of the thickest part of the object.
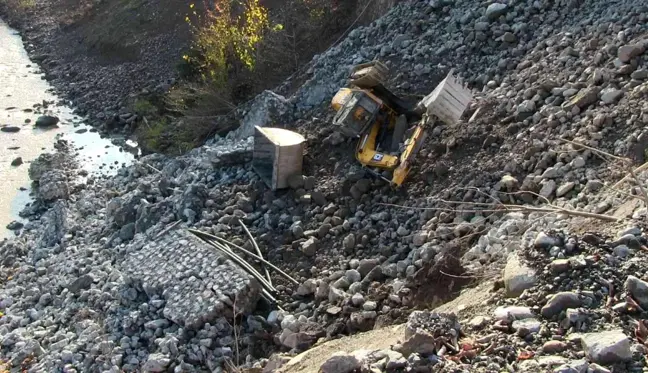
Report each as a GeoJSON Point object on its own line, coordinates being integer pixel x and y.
{"type": "Point", "coordinates": [53, 185]}
{"type": "Point", "coordinates": [147, 214]}
{"type": "Point", "coordinates": [156, 363]}
{"type": "Point", "coordinates": [309, 247]}
{"type": "Point", "coordinates": [495, 10]}
{"type": "Point", "coordinates": [46, 121]}
{"type": "Point", "coordinates": [191, 201]}
{"type": "Point", "coordinates": [349, 242]}
{"type": "Point", "coordinates": [55, 225]}
{"type": "Point", "coordinates": [544, 241]}
{"type": "Point", "coordinates": [9, 129]}
{"type": "Point", "coordinates": [123, 210]}
{"type": "Point", "coordinates": [46, 162]}
{"type": "Point", "coordinates": [25, 349]}
{"type": "Point", "coordinates": [611, 95]}
{"type": "Point", "coordinates": [420, 342]}
{"type": "Point", "coordinates": [511, 313]}
{"type": "Point", "coordinates": [296, 340]}
{"type": "Point", "coordinates": [366, 266]}
{"type": "Point", "coordinates": [638, 289]}
{"type": "Point", "coordinates": [15, 225]}
{"type": "Point", "coordinates": [627, 52]}
{"type": "Point", "coordinates": [308, 287]}
{"type": "Point", "coordinates": [275, 362]}
{"type": "Point", "coordinates": [559, 265]}
{"type": "Point", "coordinates": [560, 302]}
{"type": "Point", "coordinates": [423, 329]}
{"type": "Point", "coordinates": [554, 347]}
{"type": "Point", "coordinates": [517, 276]}
{"type": "Point", "coordinates": [577, 366]}
{"type": "Point", "coordinates": [419, 239]}
{"type": "Point", "coordinates": [17, 162]}
{"type": "Point", "coordinates": [607, 347]}
{"type": "Point", "coordinates": [290, 322]}
{"type": "Point", "coordinates": [342, 362]}
{"type": "Point", "coordinates": [529, 326]}
{"type": "Point", "coordinates": [548, 188]}
{"type": "Point", "coordinates": [81, 283]}
{"type": "Point", "coordinates": [565, 188]}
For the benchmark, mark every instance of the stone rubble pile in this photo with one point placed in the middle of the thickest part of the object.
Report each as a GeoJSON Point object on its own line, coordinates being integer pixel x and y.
{"type": "Point", "coordinates": [581, 311]}
{"type": "Point", "coordinates": [87, 284]}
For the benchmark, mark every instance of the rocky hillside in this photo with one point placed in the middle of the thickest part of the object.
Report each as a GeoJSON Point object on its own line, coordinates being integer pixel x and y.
{"type": "Point", "coordinates": [119, 61]}
{"type": "Point", "coordinates": [107, 278]}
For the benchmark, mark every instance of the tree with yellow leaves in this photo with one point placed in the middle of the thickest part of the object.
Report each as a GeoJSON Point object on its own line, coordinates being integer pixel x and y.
{"type": "Point", "coordinates": [228, 30]}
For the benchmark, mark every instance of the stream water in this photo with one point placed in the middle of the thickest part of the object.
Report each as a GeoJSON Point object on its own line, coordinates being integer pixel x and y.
{"type": "Point", "coordinates": [22, 94]}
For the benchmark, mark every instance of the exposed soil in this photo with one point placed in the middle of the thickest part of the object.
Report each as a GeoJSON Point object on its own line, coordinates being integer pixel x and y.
{"type": "Point", "coordinates": [311, 360]}
{"type": "Point", "coordinates": [471, 301]}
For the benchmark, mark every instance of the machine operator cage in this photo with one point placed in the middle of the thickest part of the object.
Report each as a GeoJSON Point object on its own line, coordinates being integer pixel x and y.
{"type": "Point", "coordinates": [357, 114]}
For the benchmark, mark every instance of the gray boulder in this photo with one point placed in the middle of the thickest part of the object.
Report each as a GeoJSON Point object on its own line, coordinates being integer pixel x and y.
{"type": "Point", "coordinates": [611, 95]}
{"type": "Point", "coordinates": [10, 129]}
{"type": "Point", "coordinates": [560, 302]}
{"type": "Point", "coordinates": [46, 121]}
{"type": "Point", "coordinates": [44, 163]}
{"type": "Point", "coordinates": [517, 276]}
{"type": "Point", "coordinates": [511, 313]}
{"type": "Point", "coordinates": [543, 241]}
{"type": "Point", "coordinates": [156, 363]}
{"type": "Point", "coordinates": [309, 247]}
{"type": "Point", "coordinates": [495, 10]}
{"type": "Point", "coordinates": [607, 347]}
{"type": "Point", "coordinates": [627, 52]}
{"type": "Point", "coordinates": [55, 225]}
{"type": "Point", "coordinates": [81, 283]}
{"type": "Point", "coordinates": [53, 185]}
{"type": "Point", "coordinates": [349, 241]}
{"type": "Point", "coordinates": [341, 362]}
{"type": "Point", "coordinates": [123, 210]}
{"type": "Point", "coordinates": [638, 289]}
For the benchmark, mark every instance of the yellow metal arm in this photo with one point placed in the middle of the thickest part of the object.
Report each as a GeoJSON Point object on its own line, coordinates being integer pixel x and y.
{"type": "Point", "coordinates": [411, 149]}
{"type": "Point", "coordinates": [367, 155]}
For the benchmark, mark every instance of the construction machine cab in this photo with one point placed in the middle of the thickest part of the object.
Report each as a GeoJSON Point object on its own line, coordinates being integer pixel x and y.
{"type": "Point", "coordinates": [357, 111]}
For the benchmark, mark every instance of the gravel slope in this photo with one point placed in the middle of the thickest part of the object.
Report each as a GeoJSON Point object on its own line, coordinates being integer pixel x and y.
{"type": "Point", "coordinates": [544, 70]}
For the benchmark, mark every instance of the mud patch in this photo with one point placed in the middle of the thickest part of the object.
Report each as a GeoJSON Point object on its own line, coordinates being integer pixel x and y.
{"type": "Point", "coordinates": [438, 282]}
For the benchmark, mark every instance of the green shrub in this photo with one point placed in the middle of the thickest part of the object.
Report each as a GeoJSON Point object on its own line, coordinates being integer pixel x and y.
{"type": "Point", "coordinates": [144, 108]}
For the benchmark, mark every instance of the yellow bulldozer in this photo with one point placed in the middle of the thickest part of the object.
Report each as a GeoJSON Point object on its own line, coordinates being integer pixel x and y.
{"type": "Point", "coordinates": [391, 132]}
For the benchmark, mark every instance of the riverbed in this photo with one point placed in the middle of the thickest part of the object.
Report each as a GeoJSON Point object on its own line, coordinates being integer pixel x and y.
{"type": "Point", "coordinates": [24, 96]}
